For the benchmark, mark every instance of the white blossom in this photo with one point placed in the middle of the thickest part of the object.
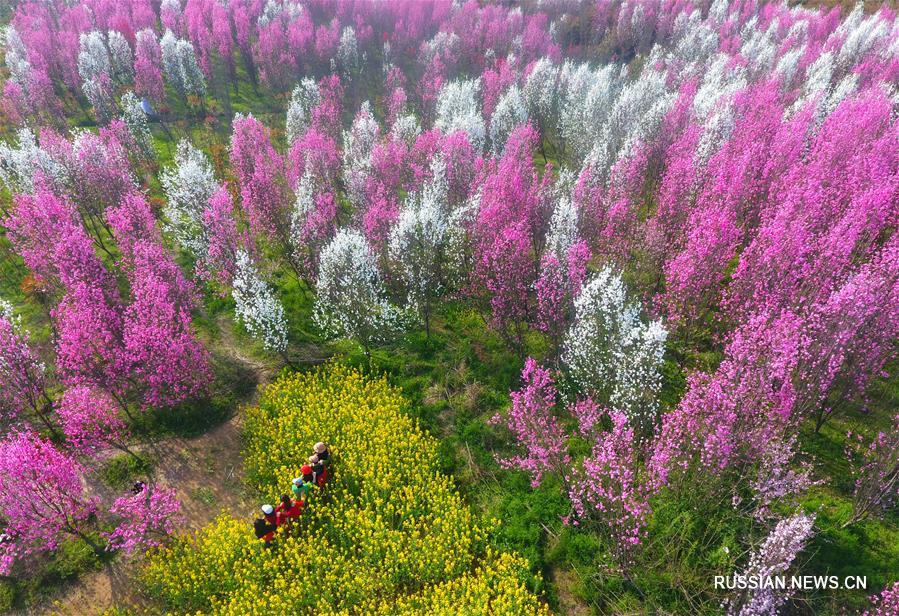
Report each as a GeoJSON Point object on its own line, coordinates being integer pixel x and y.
{"type": "Point", "coordinates": [610, 353]}
{"type": "Point", "coordinates": [96, 90]}
{"type": "Point", "coordinates": [16, 57]}
{"type": "Point", "coordinates": [426, 244]}
{"type": "Point", "coordinates": [348, 51]}
{"type": "Point", "coordinates": [93, 58]}
{"type": "Point", "coordinates": [586, 98]}
{"type": "Point", "coordinates": [257, 307]}
{"type": "Point", "coordinates": [287, 11]}
{"type": "Point", "coordinates": [457, 109]}
{"type": "Point", "coordinates": [773, 557]}
{"type": "Point", "coordinates": [540, 92]}
{"type": "Point", "coordinates": [136, 121]}
{"type": "Point", "coordinates": [563, 225]}
{"type": "Point", "coordinates": [405, 128]}
{"type": "Point", "coordinates": [121, 58]}
{"type": "Point", "coordinates": [179, 63]}
{"type": "Point", "coordinates": [441, 43]}
{"type": "Point", "coordinates": [188, 187]}
{"type": "Point", "coordinates": [19, 164]}
{"type": "Point", "coordinates": [303, 99]}
{"type": "Point", "coordinates": [717, 130]}
{"type": "Point", "coordinates": [358, 143]}
{"type": "Point", "coordinates": [7, 313]}
{"type": "Point", "coordinates": [860, 34]}
{"type": "Point", "coordinates": [510, 113]}
{"type": "Point", "coordinates": [635, 117]}
{"type": "Point", "coordinates": [788, 66]}
{"type": "Point", "coordinates": [173, 6]}
{"type": "Point", "coordinates": [351, 300]}
{"type": "Point", "coordinates": [818, 75]}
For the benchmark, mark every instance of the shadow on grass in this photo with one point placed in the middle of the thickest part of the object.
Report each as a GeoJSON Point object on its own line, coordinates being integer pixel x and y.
{"type": "Point", "coordinates": [233, 383]}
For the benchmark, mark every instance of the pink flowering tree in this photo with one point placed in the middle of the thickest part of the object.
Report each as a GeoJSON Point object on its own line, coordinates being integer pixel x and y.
{"type": "Point", "coordinates": [772, 557]}
{"type": "Point", "coordinates": [509, 235]}
{"type": "Point", "coordinates": [42, 498]}
{"type": "Point", "coordinates": [90, 420]}
{"type": "Point", "coordinates": [148, 66]}
{"type": "Point", "coordinates": [22, 372]}
{"type": "Point", "coordinates": [876, 474]}
{"type": "Point", "coordinates": [260, 179]}
{"type": "Point", "coordinates": [886, 603]}
{"type": "Point", "coordinates": [165, 359]}
{"type": "Point", "coordinates": [534, 425]}
{"type": "Point", "coordinates": [608, 487]}
{"type": "Point", "coordinates": [45, 231]}
{"type": "Point", "coordinates": [607, 490]}
{"type": "Point", "coordinates": [223, 240]}
{"type": "Point", "coordinates": [144, 519]}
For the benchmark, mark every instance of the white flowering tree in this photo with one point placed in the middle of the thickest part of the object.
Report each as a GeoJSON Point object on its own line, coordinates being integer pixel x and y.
{"type": "Point", "coordinates": [179, 62]}
{"type": "Point", "coordinates": [510, 113]}
{"type": "Point", "coordinates": [188, 187]}
{"type": "Point", "coordinates": [541, 97]}
{"type": "Point", "coordinates": [773, 557]}
{"type": "Point", "coordinates": [257, 307]}
{"type": "Point", "coordinates": [563, 225]}
{"type": "Point", "coordinates": [304, 97]}
{"type": "Point", "coordinates": [457, 109]}
{"type": "Point", "coordinates": [351, 299]}
{"type": "Point", "coordinates": [348, 52]}
{"type": "Point", "coordinates": [610, 353]}
{"type": "Point", "coordinates": [18, 164]}
{"type": "Point", "coordinates": [358, 143]}
{"type": "Point", "coordinates": [16, 57]}
{"type": "Point", "coordinates": [136, 121]}
{"type": "Point", "coordinates": [93, 58]}
{"type": "Point", "coordinates": [406, 128]}
{"type": "Point", "coordinates": [120, 56]}
{"type": "Point", "coordinates": [541, 92]}
{"type": "Point", "coordinates": [426, 245]}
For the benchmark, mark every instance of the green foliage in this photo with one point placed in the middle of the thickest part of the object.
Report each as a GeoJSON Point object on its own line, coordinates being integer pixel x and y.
{"type": "Point", "coordinates": [120, 472]}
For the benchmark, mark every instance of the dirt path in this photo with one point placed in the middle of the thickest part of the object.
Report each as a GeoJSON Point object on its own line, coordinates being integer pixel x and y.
{"type": "Point", "coordinates": [207, 472]}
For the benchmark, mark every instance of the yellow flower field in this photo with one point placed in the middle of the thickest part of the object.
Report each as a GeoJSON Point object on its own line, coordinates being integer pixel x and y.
{"type": "Point", "coordinates": [388, 535]}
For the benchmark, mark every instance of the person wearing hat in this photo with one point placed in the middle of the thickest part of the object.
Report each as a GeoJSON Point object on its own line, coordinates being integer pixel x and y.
{"type": "Point", "coordinates": [319, 474]}
{"type": "Point", "coordinates": [324, 456]}
{"type": "Point", "coordinates": [323, 453]}
{"type": "Point", "coordinates": [302, 486]}
{"type": "Point", "coordinates": [265, 526]}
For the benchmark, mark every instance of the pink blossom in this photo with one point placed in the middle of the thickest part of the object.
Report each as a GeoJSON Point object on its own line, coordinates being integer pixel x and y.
{"type": "Point", "coordinates": [41, 497]}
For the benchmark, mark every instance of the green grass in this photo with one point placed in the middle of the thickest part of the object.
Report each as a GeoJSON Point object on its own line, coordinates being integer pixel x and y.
{"type": "Point", "coordinates": [121, 471]}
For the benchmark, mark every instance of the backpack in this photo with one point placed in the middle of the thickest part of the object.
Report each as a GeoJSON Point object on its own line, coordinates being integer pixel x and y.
{"type": "Point", "coordinates": [262, 528]}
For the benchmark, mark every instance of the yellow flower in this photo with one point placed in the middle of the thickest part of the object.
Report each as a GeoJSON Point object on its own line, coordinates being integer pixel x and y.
{"type": "Point", "coordinates": [389, 534]}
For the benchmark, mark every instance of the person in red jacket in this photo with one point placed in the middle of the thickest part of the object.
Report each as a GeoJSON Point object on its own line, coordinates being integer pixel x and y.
{"type": "Point", "coordinates": [288, 509]}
